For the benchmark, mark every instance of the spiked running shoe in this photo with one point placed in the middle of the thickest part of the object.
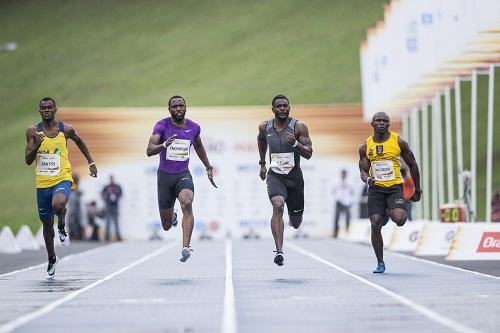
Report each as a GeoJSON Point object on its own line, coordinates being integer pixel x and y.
{"type": "Point", "coordinates": [278, 258]}
{"type": "Point", "coordinates": [51, 269]}
{"type": "Point", "coordinates": [63, 235]}
{"type": "Point", "coordinates": [380, 268]}
{"type": "Point", "coordinates": [186, 253]}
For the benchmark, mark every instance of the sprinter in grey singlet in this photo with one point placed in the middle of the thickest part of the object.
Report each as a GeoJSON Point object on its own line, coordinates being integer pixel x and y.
{"type": "Point", "coordinates": [288, 140]}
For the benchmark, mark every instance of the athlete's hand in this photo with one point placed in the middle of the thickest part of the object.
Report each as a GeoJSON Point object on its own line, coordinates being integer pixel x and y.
{"type": "Point", "coordinates": [416, 196]}
{"type": "Point", "coordinates": [370, 181]}
{"type": "Point", "coordinates": [39, 137]}
{"type": "Point", "coordinates": [169, 141]}
{"type": "Point", "coordinates": [263, 172]}
{"type": "Point", "coordinates": [210, 174]}
{"type": "Point", "coordinates": [92, 170]}
{"type": "Point", "coordinates": [290, 138]}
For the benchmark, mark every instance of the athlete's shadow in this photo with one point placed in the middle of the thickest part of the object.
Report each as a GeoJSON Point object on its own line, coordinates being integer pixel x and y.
{"type": "Point", "coordinates": [175, 282]}
{"type": "Point", "coordinates": [289, 281]}
{"type": "Point", "coordinates": [51, 286]}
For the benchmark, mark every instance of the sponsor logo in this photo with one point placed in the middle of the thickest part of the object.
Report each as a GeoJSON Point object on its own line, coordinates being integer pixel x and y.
{"type": "Point", "coordinates": [187, 131]}
{"type": "Point", "coordinates": [370, 153]}
{"type": "Point", "coordinates": [297, 210]}
{"type": "Point", "coordinates": [413, 236]}
{"type": "Point", "coordinates": [270, 134]}
{"type": "Point", "coordinates": [380, 150]}
{"type": "Point", "coordinates": [399, 201]}
{"type": "Point", "coordinates": [490, 242]}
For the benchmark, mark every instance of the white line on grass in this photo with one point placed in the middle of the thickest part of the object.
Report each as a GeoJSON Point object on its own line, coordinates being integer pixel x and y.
{"type": "Point", "coordinates": [12, 325]}
{"type": "Point", "coordinates": [449, 323]}
{"type": "Point", "coordinates": [229, 315]}
{"type": "Point", "coordinates": [63, 259]}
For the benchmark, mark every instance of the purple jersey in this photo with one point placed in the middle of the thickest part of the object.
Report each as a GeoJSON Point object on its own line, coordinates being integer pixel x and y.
{"type": "Point", "coordinates": [175, 158]}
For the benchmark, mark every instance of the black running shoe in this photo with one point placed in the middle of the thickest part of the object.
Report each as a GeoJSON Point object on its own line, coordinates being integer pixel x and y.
{"type": "Point", "coordinates": [174, 219]}
{"type": "Point", "coordinates": [63, 235]}
{"type": "Point", "coordinates": [278, 258]}
{"type": "Point", "coordinates": [51, 269]}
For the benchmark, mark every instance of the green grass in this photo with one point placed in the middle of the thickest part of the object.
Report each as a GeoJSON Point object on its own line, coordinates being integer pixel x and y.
{"type": "Point", "coordinates": [138, 53]}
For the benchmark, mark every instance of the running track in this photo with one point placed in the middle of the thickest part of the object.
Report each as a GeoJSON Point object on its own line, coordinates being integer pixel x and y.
{"type": "Point", "coordinates": [233, 286]}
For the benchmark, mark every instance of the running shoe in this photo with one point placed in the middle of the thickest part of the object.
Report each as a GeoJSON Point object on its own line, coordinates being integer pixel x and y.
{"type": "Point", "coordinates": [278, 258]}
{"type": "Point", "coordinates": [51, 269]}
{"type": "Point", "coordinates": [380, 268]}
{"type": "Point", "coordinates": [186, 253]}
{"type": "Point", "coordinates": [386, 218]}
{"type": "Point", "coordinates": [174, 220]}
{"type": "Point", "coordinates": [63, 235]}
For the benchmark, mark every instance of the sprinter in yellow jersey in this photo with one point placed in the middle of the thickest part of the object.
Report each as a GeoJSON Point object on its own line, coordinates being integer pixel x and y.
{"type": "Point", "coordinates": [380, 169]}
{"type": "Point", "coordinates": [46, 145]}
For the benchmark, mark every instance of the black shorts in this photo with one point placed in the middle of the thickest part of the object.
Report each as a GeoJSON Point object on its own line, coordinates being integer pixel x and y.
{"type": "Point", "coordinates": [290, 187]}
{"type": "Point", "coordinates": [170, 185]}
{"type": "Point", "coordinates": [382, 198]}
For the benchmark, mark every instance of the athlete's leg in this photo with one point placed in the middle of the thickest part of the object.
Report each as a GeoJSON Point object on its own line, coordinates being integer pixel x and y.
{"type": "Point", "coordinates": [185, 198]}
{"type": "Point", "coordinates": [277, 224]}
{"type": "Point", "coordinates": [376, 236]}
{"type": "Point", "coordinates": [48, 235]}
{"type": "Point", "coordinates": [166, 215]}
{"type": "Point", "coordinates": [295, 221]}
{"type": "Point", "coordinates": [59, 202]}
{"type": "Point", "coordinates": [399, 216]}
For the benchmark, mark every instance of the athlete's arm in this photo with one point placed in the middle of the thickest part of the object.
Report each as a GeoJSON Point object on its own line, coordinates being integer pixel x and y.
{"type": "Point", "coordinates": [304, 144]}
{"type": "Point", "coordinates": [154, 145]}
{"type": "Point", "coordinates": [262, 144]}
{"type": "Point", "coordinates": [409, 159]}
{"type": "Point", "coordinates": [202, 154]}
{"type": "Point", "coordinates": [33, 142]}
{"type": "Point", "coordinates": [70, 133]}
{"type": "Point", "coordinates": [364, 166]}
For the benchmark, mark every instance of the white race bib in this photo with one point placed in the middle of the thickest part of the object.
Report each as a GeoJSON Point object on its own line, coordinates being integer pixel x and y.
{"type": "Point", "coordinates": [48, 164]}
{"type": "Point", "coordinates": [178, 150]}
{"type": "Point", "coordinates": [383, 170]}
{"type": "Point", "coordinates": [282, 163]}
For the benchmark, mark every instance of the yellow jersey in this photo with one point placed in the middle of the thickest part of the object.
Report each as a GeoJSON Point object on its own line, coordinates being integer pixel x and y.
{"type": "Point", "coordinates": [52, 164]}
{"type": "Point", "coordinates": [384, 160]}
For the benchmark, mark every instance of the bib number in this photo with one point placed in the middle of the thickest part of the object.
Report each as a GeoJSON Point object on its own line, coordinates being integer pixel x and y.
{"type": "Point", "coordinates": [178, 150]}
{"type": "Point", "coordinates": [383, 170]}
{"type": "Point", "coordinates": [282, 163]}
{"type": "Point", "coordinates": [48, 164]}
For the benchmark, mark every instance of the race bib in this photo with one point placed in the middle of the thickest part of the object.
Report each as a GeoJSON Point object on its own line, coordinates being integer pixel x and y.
{"type": "Point", "coordinates": [178, 150]}
{"type": "Point", "coordinates": [383, 170]}
{"type": "Point", "coordinates": [282, 163]}
{"type": "Point", "coordinates": [48, 164]}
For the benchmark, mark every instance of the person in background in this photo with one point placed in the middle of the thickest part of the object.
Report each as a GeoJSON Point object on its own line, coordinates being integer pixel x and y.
{"type": "Point", "coordinates": [343, 194]}
{"type": "Point", "coordinates": [111, 194]}
{"type": "Point", "coordinates": [92, 214]}
{"type": "Point", "coordinates": [75, 212]}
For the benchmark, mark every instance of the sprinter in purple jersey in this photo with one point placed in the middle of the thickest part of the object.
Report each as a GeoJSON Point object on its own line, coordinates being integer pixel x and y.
{"type": "Point", "coordinates": [173, 137]}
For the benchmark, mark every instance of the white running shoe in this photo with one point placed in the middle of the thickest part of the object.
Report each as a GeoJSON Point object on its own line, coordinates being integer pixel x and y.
{"type": "Point", "coordinates": [186, 253]}
{"type": "Point", "coordinates": [51, 269]}
{"type": "Point", "coordinates": [63, 236]}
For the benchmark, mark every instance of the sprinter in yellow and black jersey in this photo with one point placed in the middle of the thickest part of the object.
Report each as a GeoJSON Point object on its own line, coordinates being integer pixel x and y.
{"type": "Point", "coordinates": [380, 169]}
{"type": "Point", "coordinates": [46, 145]}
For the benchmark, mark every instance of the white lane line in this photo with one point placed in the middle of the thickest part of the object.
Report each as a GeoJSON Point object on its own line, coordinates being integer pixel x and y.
{"type": "Point", "coordinates": [229, 315]}
{"type": "Point", "coordinates": [444, 265]}
{"type": "Point", "coordinates": [449, 323]}
{"type": "Point", "coordinates": [63, 259]}
{"type": "Point", "coordinates": [12, 325]}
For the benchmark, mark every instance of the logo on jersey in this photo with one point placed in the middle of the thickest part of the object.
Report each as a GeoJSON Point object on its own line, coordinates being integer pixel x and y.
{"type": "Point", "coordinates": [370, 153]}
{"type": "Point", "coordinates": [380, 150]}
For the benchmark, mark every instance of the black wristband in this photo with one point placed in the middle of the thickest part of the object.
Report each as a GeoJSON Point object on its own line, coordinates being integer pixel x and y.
{"type": "Point", "coordinates": [262, 162]}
